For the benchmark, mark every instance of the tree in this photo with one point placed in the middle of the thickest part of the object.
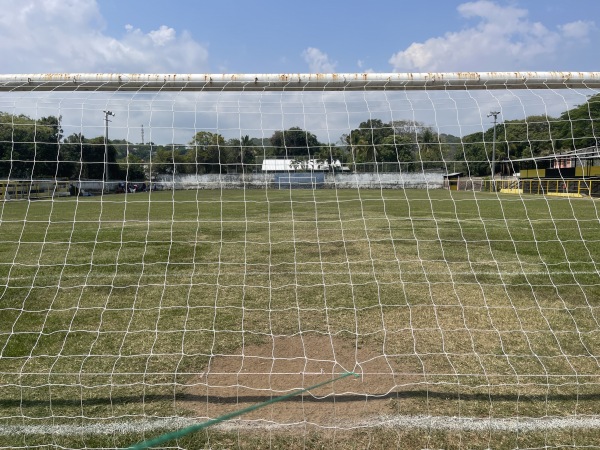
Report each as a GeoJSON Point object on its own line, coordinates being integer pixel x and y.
{"type": "Point", "coordinates": [399, 141]}
{"type": "Point", "coordinates": [247, 152]}
{"type": "Point", "coordinates": [134, 168]}
{"type": "Point", "coordinates": [167, 160]}
{"type": "Point", "coordinates": [579, 127]}
{"type": "Point", "coordinates": [48, 135]}
{"type": "Point", "coordinates": [429, 149]}
{"type": "Point", "coordinates": [354, 143]}
{"type": "Point", "coordinates": [239, 152]}
{"type": "Point", "coordinates": [365, 141]}
{"type": "Point", "coordinates": [476, 162]}
{"type": "Point", "coordinates": [400, 149]}
{"type": "Point", "coordinates": [204, 155]}
{"type": "Point", "coordinates": [332, 153]}
{"type": "Point", "coordinates": [88, 160]}
{"type": "Point", "coordinates": [295, 143]}
{"type": "Point", "coordinates": [28, 147]}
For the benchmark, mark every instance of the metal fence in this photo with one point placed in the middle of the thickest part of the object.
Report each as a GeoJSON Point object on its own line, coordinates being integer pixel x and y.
{"type": "Point", "coordinates": [26, 189]}
{"type": "Point", "coordinates": [545, 186]}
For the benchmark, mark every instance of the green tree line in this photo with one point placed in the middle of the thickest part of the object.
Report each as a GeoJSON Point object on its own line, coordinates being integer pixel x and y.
{"type": "Point", "coordinates": [538, 135]}
{"type": "Point", "coordinates": [36, 148]}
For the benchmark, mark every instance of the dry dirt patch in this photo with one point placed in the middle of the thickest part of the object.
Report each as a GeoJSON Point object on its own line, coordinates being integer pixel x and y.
{"type": "Point", "coordinates": [284, 364]}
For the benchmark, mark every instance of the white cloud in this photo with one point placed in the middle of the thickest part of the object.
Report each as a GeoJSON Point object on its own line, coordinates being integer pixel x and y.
{"type": "Point", "coordinates": [503, 39]}
{"type": "Point", "coordinates": [318, 62]}
{"type": "Point", "coordinates": [162, 36]}
{"type": "Point", "coordinates": [68, 36]}
{"type": "Point", "coordinates": [577, 30]}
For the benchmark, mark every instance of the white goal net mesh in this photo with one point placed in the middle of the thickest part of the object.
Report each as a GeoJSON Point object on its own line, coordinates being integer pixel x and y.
{"type": "Point", "coordinates": [174, 248]}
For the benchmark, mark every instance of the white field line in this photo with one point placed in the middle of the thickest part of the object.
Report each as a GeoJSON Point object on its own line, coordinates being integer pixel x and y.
{"type": "Point", "coordinates": [438, 423]}
{"type": "Point", "coordinates": [327, 272]}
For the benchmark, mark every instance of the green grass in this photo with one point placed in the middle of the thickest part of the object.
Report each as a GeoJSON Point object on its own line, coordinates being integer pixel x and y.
{"type": "Point", "coordinates": [111, 304]}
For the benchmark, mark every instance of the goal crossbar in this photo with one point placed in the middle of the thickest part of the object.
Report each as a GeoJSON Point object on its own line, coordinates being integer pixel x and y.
{"type": "Point", "coordinates": [299, 82]}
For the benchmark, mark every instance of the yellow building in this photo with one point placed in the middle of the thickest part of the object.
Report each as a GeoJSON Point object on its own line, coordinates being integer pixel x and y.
{"type": "Point", "coordinates": [575, 172]}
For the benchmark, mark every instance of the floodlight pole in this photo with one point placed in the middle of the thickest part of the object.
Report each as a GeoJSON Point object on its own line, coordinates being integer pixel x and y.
{"type": "Point", "coordinates": [495, 114]}
{"type": "Point", "coordinates": [105, 175]}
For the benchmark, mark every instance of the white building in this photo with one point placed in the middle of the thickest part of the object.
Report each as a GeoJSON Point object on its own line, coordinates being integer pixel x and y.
{"type": "Point", "coordinates": [294, 165]}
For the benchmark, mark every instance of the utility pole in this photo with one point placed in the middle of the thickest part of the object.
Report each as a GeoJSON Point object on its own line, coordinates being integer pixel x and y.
{"type": "Point", "coordinates": [495, 114]}
{"type": "Point", "coordinates": [105, 175]}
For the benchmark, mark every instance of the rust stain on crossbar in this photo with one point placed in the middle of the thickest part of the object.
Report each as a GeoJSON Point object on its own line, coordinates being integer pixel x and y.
{"type": "Point", "coordinates": [297, 82]}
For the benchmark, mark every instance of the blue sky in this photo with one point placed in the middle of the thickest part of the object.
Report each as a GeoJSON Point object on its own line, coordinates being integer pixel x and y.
{"type": "Point", "coordinates": [325, 36]}
{"type": "Point", "coordinates": [197, 36]}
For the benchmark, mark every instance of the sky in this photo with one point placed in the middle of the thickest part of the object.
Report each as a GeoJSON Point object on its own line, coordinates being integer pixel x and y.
{"type": "Point", "coordinates": [324, 36]}
{"type": "Point", "coordinates": [271, 36]}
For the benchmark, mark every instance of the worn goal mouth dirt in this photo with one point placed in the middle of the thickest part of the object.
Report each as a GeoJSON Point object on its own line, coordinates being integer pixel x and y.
{"type": "Point", "coordinates": [288, 363]}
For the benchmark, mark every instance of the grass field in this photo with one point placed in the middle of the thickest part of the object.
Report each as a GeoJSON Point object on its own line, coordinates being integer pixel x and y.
{"type": "Point", "coordinates": [139, 307]}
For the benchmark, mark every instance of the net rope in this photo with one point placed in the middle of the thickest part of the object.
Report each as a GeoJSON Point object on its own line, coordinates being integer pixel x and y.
{"type": "Point", "coordinates": [151, 283]}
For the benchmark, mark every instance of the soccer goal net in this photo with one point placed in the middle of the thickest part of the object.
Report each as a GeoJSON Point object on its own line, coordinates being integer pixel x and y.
{"type": "Point", "coordinates": [177, 247]}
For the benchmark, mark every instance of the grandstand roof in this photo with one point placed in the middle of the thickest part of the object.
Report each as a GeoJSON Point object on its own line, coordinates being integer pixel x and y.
{"type": "Point", "coordinates": [580, 153]}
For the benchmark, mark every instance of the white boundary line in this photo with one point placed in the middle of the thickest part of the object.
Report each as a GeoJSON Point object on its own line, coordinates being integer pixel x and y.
{"type": "Point", "coordinates": [438, 423]}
